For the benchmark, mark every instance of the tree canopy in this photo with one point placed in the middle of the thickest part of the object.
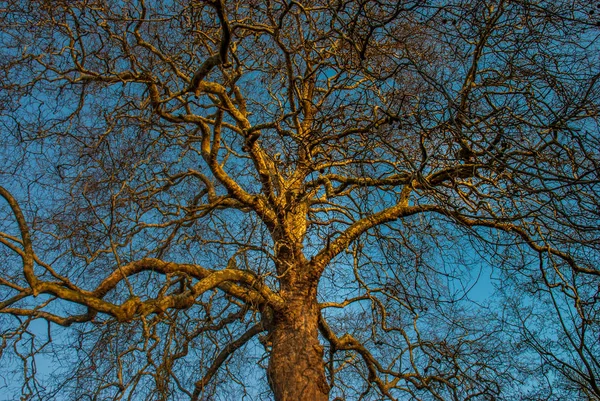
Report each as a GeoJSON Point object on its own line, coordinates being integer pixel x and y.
{"type": "Point", "coordinates": [300, 200]}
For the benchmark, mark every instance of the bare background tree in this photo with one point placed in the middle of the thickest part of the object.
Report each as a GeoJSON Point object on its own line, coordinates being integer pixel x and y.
{"type": "Point", "coordinates": [350, 200]}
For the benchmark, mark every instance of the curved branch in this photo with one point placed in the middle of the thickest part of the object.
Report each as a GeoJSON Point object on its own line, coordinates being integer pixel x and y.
{"type": "Point", "coordinates": [216, 59]}
{"type": "Point", "coordinates": [209, 279]}
{"type": "Point", "coordinates": [348, 342]}
{"type": "Point", "coordinates": [257, 294]}
{"type": "Point", "coordinates": [27, 255]}
{"type": "Point", "coordinates": [338, 245]}
{"type": "Point", "coordinates": [222, 357]}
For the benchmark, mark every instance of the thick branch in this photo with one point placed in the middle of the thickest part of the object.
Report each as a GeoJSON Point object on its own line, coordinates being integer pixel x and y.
{"type": "Point", "coordinates": [258, 294]}
{"type": "Point", "coordinates": [216, 59]}
{"type": "Point", "coordinates": [27, 255]}
{"type": "Point", "coordinates": [342, 242]}
{"type": "Point", "coordinates": [208, 279]}
{"type": "Point", "coordinates": [348, 342]}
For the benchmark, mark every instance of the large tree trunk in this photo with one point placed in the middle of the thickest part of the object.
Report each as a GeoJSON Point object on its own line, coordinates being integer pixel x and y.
{"type": "Point", "coordinates": [296, 368]}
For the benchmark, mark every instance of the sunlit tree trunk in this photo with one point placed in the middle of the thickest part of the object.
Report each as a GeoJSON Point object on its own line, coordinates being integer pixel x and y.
{"type": "Point", "coordinates": [296, 368]}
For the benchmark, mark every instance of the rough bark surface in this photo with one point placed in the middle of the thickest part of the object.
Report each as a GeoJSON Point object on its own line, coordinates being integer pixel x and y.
{"type": "Point", "coordinates": [296, 369]}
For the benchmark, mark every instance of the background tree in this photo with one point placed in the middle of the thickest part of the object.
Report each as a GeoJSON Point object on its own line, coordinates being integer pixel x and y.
{"type": "Point", "coordinates": [194, 189]}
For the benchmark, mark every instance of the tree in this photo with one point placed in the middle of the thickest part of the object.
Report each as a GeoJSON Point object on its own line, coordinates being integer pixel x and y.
{"type": "Point", "coordinates": [293, 200]}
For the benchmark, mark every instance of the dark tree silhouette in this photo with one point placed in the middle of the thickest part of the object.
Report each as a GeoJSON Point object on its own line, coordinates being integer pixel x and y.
{"type": "Point", "coordinates": [350, 200]}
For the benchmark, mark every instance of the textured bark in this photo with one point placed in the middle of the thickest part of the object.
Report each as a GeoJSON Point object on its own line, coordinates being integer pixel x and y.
{"type": "Point", "coordinates": [296, 368]}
